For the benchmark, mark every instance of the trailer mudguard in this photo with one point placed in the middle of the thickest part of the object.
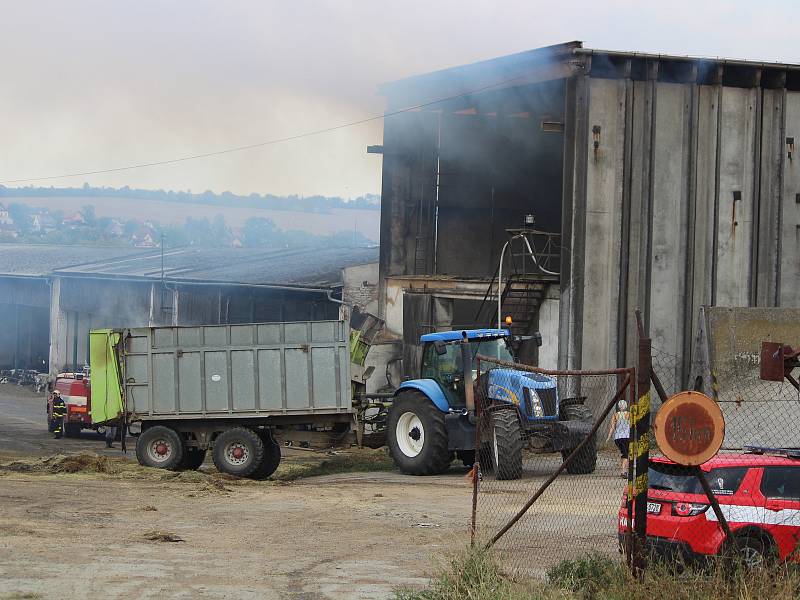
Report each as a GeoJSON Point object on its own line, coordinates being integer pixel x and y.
{"type": "Point", "coordinates": [430, 388]}
{"type": "Point", "coordinates": [105, 381]}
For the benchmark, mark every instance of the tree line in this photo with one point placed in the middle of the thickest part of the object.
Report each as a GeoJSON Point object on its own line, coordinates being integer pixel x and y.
{"type": "Point", "coordinates": [292, 202]}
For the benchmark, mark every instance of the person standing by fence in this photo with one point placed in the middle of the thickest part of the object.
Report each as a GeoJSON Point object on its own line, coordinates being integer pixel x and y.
{"type": "Point", "coordinates": [621, 428]}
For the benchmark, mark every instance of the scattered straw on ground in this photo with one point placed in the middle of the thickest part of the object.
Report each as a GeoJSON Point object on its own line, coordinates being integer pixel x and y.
{"type": "Point", "coordinates": [292, 468]}
{"type": "Point", "coordinates": [158, 535]}
{"type": "Point", "coordinates": [347, 461]}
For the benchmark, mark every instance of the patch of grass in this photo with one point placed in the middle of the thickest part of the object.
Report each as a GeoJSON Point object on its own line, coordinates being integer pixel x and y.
{"type": "Point", "coordinates": [474, 574]}
{"type": "Point", "coordinates": [478, 575]}
{"type": "Point", "coordinates": [350, 461]}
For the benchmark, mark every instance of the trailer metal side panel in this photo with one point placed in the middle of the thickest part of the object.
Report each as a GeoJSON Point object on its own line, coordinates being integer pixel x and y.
{"type": "Point", "coordinates": [257, 369]}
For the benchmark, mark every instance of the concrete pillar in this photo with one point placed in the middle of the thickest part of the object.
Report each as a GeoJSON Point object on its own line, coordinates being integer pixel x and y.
{"type": "Point", "coordinates": [58, 329]}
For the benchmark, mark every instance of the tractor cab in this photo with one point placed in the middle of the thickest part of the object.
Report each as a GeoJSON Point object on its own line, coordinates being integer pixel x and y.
{"type": "Point", "coordinates": [442, 359]}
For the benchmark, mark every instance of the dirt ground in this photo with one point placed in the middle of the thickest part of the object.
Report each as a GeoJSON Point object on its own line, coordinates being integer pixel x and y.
{"type": "Point", "coordinates": [348, 535]}
{"type": "Point", "coordinates": [129, 532]}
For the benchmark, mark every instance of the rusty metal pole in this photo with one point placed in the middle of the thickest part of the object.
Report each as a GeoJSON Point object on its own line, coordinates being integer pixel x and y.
{"type": "Point", "coordinates": [476, 465]}
{"type": "Point", "coordinates": [640, 427]}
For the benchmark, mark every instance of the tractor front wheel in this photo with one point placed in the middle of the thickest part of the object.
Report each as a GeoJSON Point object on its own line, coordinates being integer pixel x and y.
{"type": "Point", "coordinates": [506, 444]}
{"type": "Point", "coordinates": [416, 435]}
{"type": "Point", "coordinates": [586, 460]}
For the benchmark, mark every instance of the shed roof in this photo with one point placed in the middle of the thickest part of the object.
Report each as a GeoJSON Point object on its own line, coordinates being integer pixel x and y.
{"type": "Point", "coordinates": [563, 60]}
{"type": "Point", "coordinates": [294, 267]}
{"type": "Point", "coordinates": [39, 260]}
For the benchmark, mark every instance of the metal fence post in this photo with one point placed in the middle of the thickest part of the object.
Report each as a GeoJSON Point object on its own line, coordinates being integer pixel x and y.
{"type": "Point", "coordinates": [640, 425]}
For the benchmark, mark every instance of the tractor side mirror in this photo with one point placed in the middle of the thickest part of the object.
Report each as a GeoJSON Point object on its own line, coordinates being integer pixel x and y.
{"type": "Point", "coordinates": [440, 347]}
{"type": "Point", "coordinates": [537, 338]}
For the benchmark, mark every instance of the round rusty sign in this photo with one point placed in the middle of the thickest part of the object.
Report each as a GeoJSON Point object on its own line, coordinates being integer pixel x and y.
{"type": "Point", "coordinates": [689, 428]}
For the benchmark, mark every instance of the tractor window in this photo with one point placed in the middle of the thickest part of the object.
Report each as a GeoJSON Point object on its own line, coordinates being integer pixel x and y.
{"type": "Point", "coordinates": [494, 348]}
{"type": "Point", "coordinates": [448, 364]}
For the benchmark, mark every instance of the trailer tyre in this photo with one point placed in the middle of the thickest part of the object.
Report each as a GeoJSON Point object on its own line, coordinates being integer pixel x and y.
{"type": "Point", "coordinates": [416, 435]}
{"type": "Point", "coordinates": [238, 451]}
{"type": "Point", "coordinates": [193, 458]}
{"type": "Point", "coordinates": [160, 447]}
{"type": "Point", "coordinates": [586, 460]}
{"type": "Point", "coordinates": [506, 444]}
{"type": "Point", "coordinates": [272, 456]}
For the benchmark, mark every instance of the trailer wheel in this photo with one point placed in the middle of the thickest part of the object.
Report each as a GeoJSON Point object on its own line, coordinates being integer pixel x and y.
{"type": "Point", "coordinates": [506, 444]}
{"type": "Point", "coordinates": [193, 458]}
{"type": "Point", "coordinates": [160, 447]}
{"type": "Point", "coordinates": [416, 435]}
{"type": "Point", "coordinates": [272, 456]}
{"type": "Point", "coordinates": [586, 460]}
{"type": "Point", "coordinates": [238, 451]}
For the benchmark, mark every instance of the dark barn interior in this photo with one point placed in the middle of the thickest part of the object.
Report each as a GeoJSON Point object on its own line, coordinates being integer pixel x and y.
{"type": "Point", "coordinates": [477, 165]}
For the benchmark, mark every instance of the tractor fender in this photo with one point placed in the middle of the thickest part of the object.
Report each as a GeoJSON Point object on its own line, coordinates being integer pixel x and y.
{"type": "Point", "coordinates": [430, 388]}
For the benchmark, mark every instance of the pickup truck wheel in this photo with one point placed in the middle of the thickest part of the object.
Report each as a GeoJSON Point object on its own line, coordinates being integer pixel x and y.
{"type": "Point", "coordinates": [272, 456]}
{"type": "Point", "coordinates": [238, 451]}
{"type": "Point", "coordinates": [416, 435]}
{"type": "Point", "coordinates": [193, 458]}
{"type": "Point", "coordinates": [506, 444]}
{"type": "Point", "coordinates": [160, 447]}
{"type": "Point", "coordinates": [586, 460]}
{"type": "Point", "coordinates": [753, 551]}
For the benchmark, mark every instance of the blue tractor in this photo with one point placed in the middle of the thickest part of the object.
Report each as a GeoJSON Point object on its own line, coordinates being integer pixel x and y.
{"type": "Point", "coordinates": [432, 420]}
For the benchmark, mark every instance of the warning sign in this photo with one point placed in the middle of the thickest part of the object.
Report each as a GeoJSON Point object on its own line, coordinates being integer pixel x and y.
{"type": "Point", "coordinates": [689, 428]}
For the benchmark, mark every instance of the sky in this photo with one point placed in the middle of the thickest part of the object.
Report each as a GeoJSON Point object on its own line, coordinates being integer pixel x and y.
{"type": "Point", "coordinates": [96, 84]}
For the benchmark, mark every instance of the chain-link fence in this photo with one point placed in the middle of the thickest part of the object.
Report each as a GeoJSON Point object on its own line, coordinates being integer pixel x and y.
{"type": "Point", "coordinates": [757, 412]}
{"type": "Point", "coordinates": [551, 467]}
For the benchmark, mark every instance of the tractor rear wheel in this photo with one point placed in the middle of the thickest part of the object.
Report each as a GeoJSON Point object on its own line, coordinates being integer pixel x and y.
{"type": "Point", "coordinates": [586, 460]}
{"type": "Point", "coordinates": [416, 435]}
{"type": "Point", "coordinates": [506, 444]}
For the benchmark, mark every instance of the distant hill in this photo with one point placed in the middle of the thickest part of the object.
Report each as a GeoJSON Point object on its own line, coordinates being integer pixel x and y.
{"type": "Point", "coordinates": [317, 215]}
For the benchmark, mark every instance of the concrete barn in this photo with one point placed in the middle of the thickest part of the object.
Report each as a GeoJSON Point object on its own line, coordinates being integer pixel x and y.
{"type": "Point", "coordinates": [663, 182]}
{"type": "Point", "coordinates": [120, 288]}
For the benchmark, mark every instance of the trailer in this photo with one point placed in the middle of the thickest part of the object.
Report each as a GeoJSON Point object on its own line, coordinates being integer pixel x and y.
{"type": "Point", "coordinates": [240, 391]}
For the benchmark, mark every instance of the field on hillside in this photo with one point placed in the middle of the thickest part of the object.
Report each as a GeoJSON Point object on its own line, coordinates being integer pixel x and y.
{"type": "Point", "coordinates": [338, 219]}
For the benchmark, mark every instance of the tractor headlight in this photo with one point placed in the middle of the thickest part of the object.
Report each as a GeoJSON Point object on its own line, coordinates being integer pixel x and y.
{"type": "Point", "coordinates": [533, 405]}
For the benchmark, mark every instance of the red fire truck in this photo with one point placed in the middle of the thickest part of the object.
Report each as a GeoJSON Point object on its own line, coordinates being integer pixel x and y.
{"type": "Point", "coordinates": [76, 392]}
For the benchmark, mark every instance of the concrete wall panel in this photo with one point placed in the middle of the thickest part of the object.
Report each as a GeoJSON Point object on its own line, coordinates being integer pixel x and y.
{"type": "Point", "coordinates": [738, 133]}
{"type": "Point", "coordinates": [671, 154]}
{"type": "Point", "coordinates": [769, 197]}
{"type": "Point", "coordinates": [705, 199]}
{"type": "Point", "coordinates": [603, 225]}
{"type": "Point", "coordinates": [789, 284]}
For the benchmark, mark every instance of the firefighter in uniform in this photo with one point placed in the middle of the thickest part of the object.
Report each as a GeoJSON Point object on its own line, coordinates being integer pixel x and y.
{"type": "Point", "coordinates": [58, 413]}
